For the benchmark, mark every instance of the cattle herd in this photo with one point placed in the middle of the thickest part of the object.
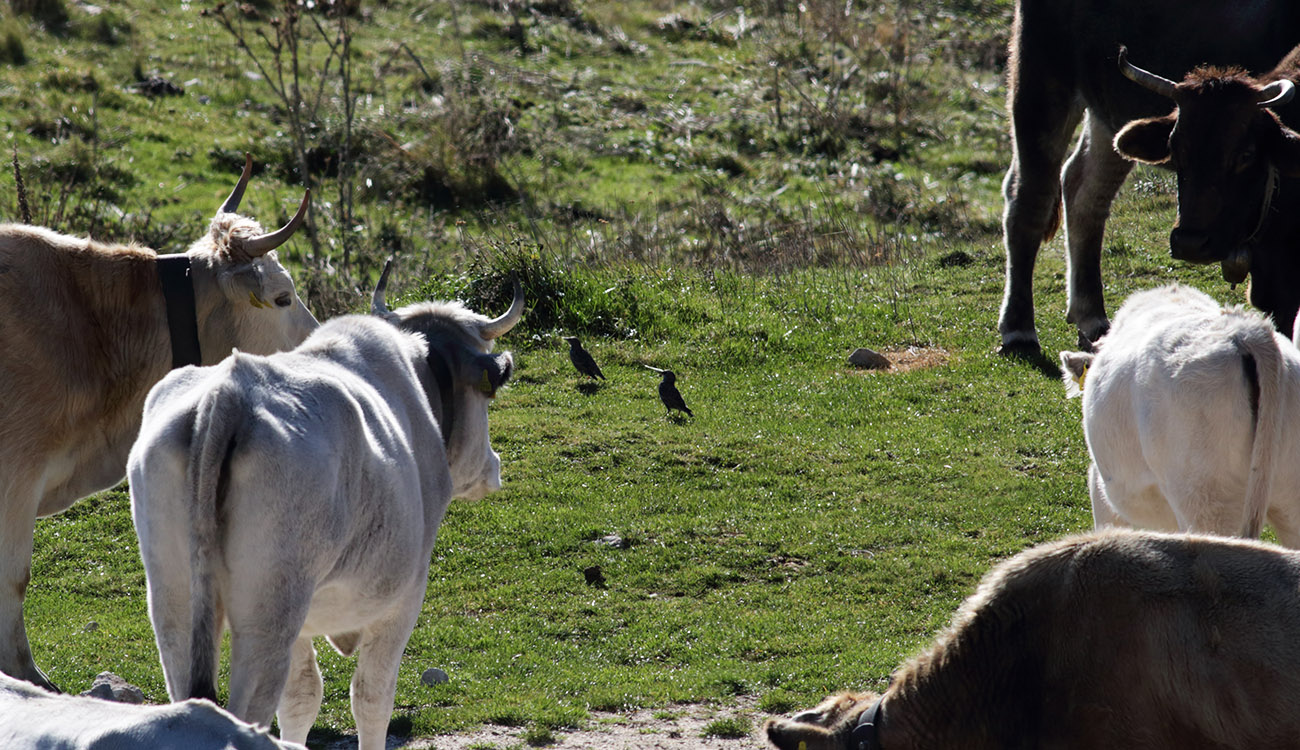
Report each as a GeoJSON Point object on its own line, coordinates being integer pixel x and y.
{"type": "Point", "coordinates": [288, 478]}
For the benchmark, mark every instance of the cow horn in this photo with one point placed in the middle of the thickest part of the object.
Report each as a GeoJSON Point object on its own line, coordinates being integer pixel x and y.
{"type": "Point", "coordinates": [377, 304]}
{"type": "Point", "coordinates": [232, 203]}
{"type": "Point", "coordinates": [265, 243]}
{"type": "Point", "coordinates": [500, 326]}
{"type": "Point", "coordinates": [1145, 78]}
{"type": "Point", "coordinates": [1276, 93]}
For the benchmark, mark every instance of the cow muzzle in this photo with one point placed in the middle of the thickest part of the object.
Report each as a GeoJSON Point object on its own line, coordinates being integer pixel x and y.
{"type": "Point", "coordinates": [1193, 246]}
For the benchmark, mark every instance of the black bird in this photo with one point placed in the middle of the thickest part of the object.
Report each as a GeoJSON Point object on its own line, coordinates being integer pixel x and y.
{"type": "Point", "coordinates": [668, 392]}
{"type": "Point", "coordinates": [582, 360]}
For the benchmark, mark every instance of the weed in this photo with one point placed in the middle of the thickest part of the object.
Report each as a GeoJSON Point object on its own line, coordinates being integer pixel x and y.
{"type": "Point", "coordinates": [730, 727]}
{"type": "Point", "coordinates": [539, 735]}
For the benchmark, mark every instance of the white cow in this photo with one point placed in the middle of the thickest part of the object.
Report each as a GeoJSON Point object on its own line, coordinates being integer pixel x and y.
{"type": "Point", "coordinates": [1184, 408]}
{"type": "Point", "coordinates": [299, 495]}
{"type": "Point", "coordinates": [31, 718]}
{"type": "Point", "coordinates": [84, 335]}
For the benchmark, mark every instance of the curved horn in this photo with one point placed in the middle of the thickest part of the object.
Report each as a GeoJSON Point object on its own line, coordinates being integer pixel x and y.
{"type": "Point", "coordinates": [265, 243]}
{"type": "Point", "coordinates": [1276, 93]}
{"type": "Point", "coordinates": [499, 326]}
{"type": "Point", "coordinates": [1145, 78]}
{"type": "Point", "coordinates": [377, 304]}
{"type": "Point", "coordinates": [232, 203]}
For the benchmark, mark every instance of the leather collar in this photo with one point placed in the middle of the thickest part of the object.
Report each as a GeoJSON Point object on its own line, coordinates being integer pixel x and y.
{"type": "Point", "coordinates": [866, 735]}
{"type": "Point", "coordinates": [182, 319]}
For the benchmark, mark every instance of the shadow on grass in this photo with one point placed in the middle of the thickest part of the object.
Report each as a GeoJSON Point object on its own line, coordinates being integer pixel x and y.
{"type": "Point", "coordinates": [1034, 357]}
{"type": "Point", "coordinates": [590, 387]}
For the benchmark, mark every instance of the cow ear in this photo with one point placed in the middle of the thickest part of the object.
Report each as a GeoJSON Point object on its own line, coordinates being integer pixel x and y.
{"type": "Point", "coordinates": [1146, 140]}
{"type": "Point", "coordinates": [1285, 152]}
{"type": "Point", "coordinates": [491, 372]}
{"type": "Point", "coordinates": [244, 282]}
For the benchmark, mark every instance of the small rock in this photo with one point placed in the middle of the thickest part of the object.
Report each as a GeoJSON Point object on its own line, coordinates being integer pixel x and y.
{"type": "Point", "coordinates": [594, 575]}
{"type": "Point", "coordinates": [868, 360]}
{"type": "Point", "coordinates": [108, 686]}
{"type": "Point", "coordinates": [613, 540]}
{"type": "Point", "coordinates": [434, 676]}
{"type": "Point", "coordinates": [90, 627]}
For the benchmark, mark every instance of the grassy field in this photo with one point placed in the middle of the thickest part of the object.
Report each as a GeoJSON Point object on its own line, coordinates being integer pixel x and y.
{"type": "Point", "coordinates": [741, 197]}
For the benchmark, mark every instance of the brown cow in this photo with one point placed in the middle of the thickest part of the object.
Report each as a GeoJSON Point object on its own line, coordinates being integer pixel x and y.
{"type": "Point", "coordinates": [1114, 639]}
{"type": "Point", "coordinates": [1062, 71]}
{"type": "Point", "coordinates": [84, 334]}
{"type": "Point", "coordinates": [1238, 199]}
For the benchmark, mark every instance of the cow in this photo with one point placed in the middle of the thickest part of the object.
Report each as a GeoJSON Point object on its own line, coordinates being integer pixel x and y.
{"type": "Point", "coordinates": [1184, 412]}
{"type": "Point", "coordinates": [35, 718]}
{"type": "Point", "coordinates": [1062, 70]}
{"type": "Point", "coordinates": [86, 328]}
{"type": "Point", "coordinates": [1237, 163]}
{"type": "Point", "coordinates": [1119, 638]}
{"type": "Point", "coordinates": [299, 494]}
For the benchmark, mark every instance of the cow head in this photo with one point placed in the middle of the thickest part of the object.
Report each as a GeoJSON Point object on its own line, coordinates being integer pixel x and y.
{"type": "Point", "coordinates": [1228, 148]}
{"type": "Point", "coordinates": [825, 727]}
{"type": "Point", "coordinates": [244, 298]}
{"type": "Point", "coordinates": [463, 378]}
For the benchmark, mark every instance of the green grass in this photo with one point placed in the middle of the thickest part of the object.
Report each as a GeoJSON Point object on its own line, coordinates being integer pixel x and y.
{"type": "Point", "coordinates": [813, 525]}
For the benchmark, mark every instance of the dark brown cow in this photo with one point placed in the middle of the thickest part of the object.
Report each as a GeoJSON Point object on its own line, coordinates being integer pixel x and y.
{"type": "Point", "coordinates": [1120, 639]}
{"type": "Point", "coordinates": [1238, 199]}
{"type": "Point", "coordinates": [1063, 71]}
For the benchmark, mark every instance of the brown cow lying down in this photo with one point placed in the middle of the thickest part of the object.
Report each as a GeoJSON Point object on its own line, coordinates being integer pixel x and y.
{"type": "Point", "coordinates": [1115, 639]}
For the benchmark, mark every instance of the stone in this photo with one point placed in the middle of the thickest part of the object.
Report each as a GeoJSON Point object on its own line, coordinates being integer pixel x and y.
{"type": "Point", "coordinates": [867, 359]}
{"type": "Point", "coordinates": [108, 686]}
{"type": "Point", "coordinates": [434, 676]}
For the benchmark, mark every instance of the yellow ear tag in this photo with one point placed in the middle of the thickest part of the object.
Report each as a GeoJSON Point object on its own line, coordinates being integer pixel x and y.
{"type": "Point", "coordinates": [1078, 379]}
{"type": "Point", "coordinates": [485, 385]}
{"type": "Point", "coordinates": [803, 745]}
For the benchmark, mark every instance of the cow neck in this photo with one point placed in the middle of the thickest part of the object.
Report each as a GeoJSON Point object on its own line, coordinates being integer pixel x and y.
{"type": "Point", "coordinates": [866, 735]}
{"type": "Point", "coordinates": [445, 412]}
{"type": "Point", "coordinates": [1270, 190]}
{"type": "Point", "coordinates": [182, 318]}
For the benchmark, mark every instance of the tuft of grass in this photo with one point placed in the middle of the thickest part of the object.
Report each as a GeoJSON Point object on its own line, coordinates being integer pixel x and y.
{"type": "Point", "coordinates": [539, 735]}
{"type": "Point", "coordinates": [730, 728]}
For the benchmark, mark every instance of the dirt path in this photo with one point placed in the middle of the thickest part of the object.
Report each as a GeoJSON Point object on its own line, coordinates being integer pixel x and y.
{"type": "Point", "coordinates": [680, 728]}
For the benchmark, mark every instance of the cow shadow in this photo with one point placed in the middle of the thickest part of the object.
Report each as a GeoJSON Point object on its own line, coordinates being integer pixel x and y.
{"type": "Point", "coordinates": [1046, 366]}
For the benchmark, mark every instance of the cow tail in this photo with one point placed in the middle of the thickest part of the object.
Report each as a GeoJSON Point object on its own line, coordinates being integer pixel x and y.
{"type": "Point", "coordinates": [215, 428]}
{"type": "Point", "coordinates": [1260, 353]}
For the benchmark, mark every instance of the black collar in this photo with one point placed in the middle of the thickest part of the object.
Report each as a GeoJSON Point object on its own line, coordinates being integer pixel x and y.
{"type": "Point", "coordinates": [445, 412]}
{"type": "Point", "coordinates": [182, 320]}
{"type": "Point", "coordinates": [866, 735]}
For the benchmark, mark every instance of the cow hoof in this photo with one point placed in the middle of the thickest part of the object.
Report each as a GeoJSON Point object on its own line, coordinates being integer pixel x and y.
{"type": "Point", "coordinates": [1021, 349]}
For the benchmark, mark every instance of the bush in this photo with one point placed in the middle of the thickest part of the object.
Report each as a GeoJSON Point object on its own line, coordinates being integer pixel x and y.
{"type": "Point", "coordinates": [52, 14]}
{"type": "Point", "coordinates": [11, 48]}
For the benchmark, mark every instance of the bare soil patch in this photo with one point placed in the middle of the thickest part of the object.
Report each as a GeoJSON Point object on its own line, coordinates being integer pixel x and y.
{"type": "Point", "coordinates": [906, 359]}
{"type": "Point", "coordinates": [675, 728]}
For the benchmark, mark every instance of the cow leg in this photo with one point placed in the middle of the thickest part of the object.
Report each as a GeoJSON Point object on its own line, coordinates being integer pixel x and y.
{"type": "Point", "coordinates": [374, 682]}
{"type": "Point", "coordinates": [303, 692]}
{"type": "Point", "coordinates": [1093, 175]}
{"type": "Point", "coordinates": [1103, 513]}
{"type": "Point", "coordinates": [1044, 113]}
{"type": "Point", "coordinates": [167, 577]}
{"type": "Point", "coordinates": [265, 621]}
{"type": "Point", "coordinates": [17, 531]}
